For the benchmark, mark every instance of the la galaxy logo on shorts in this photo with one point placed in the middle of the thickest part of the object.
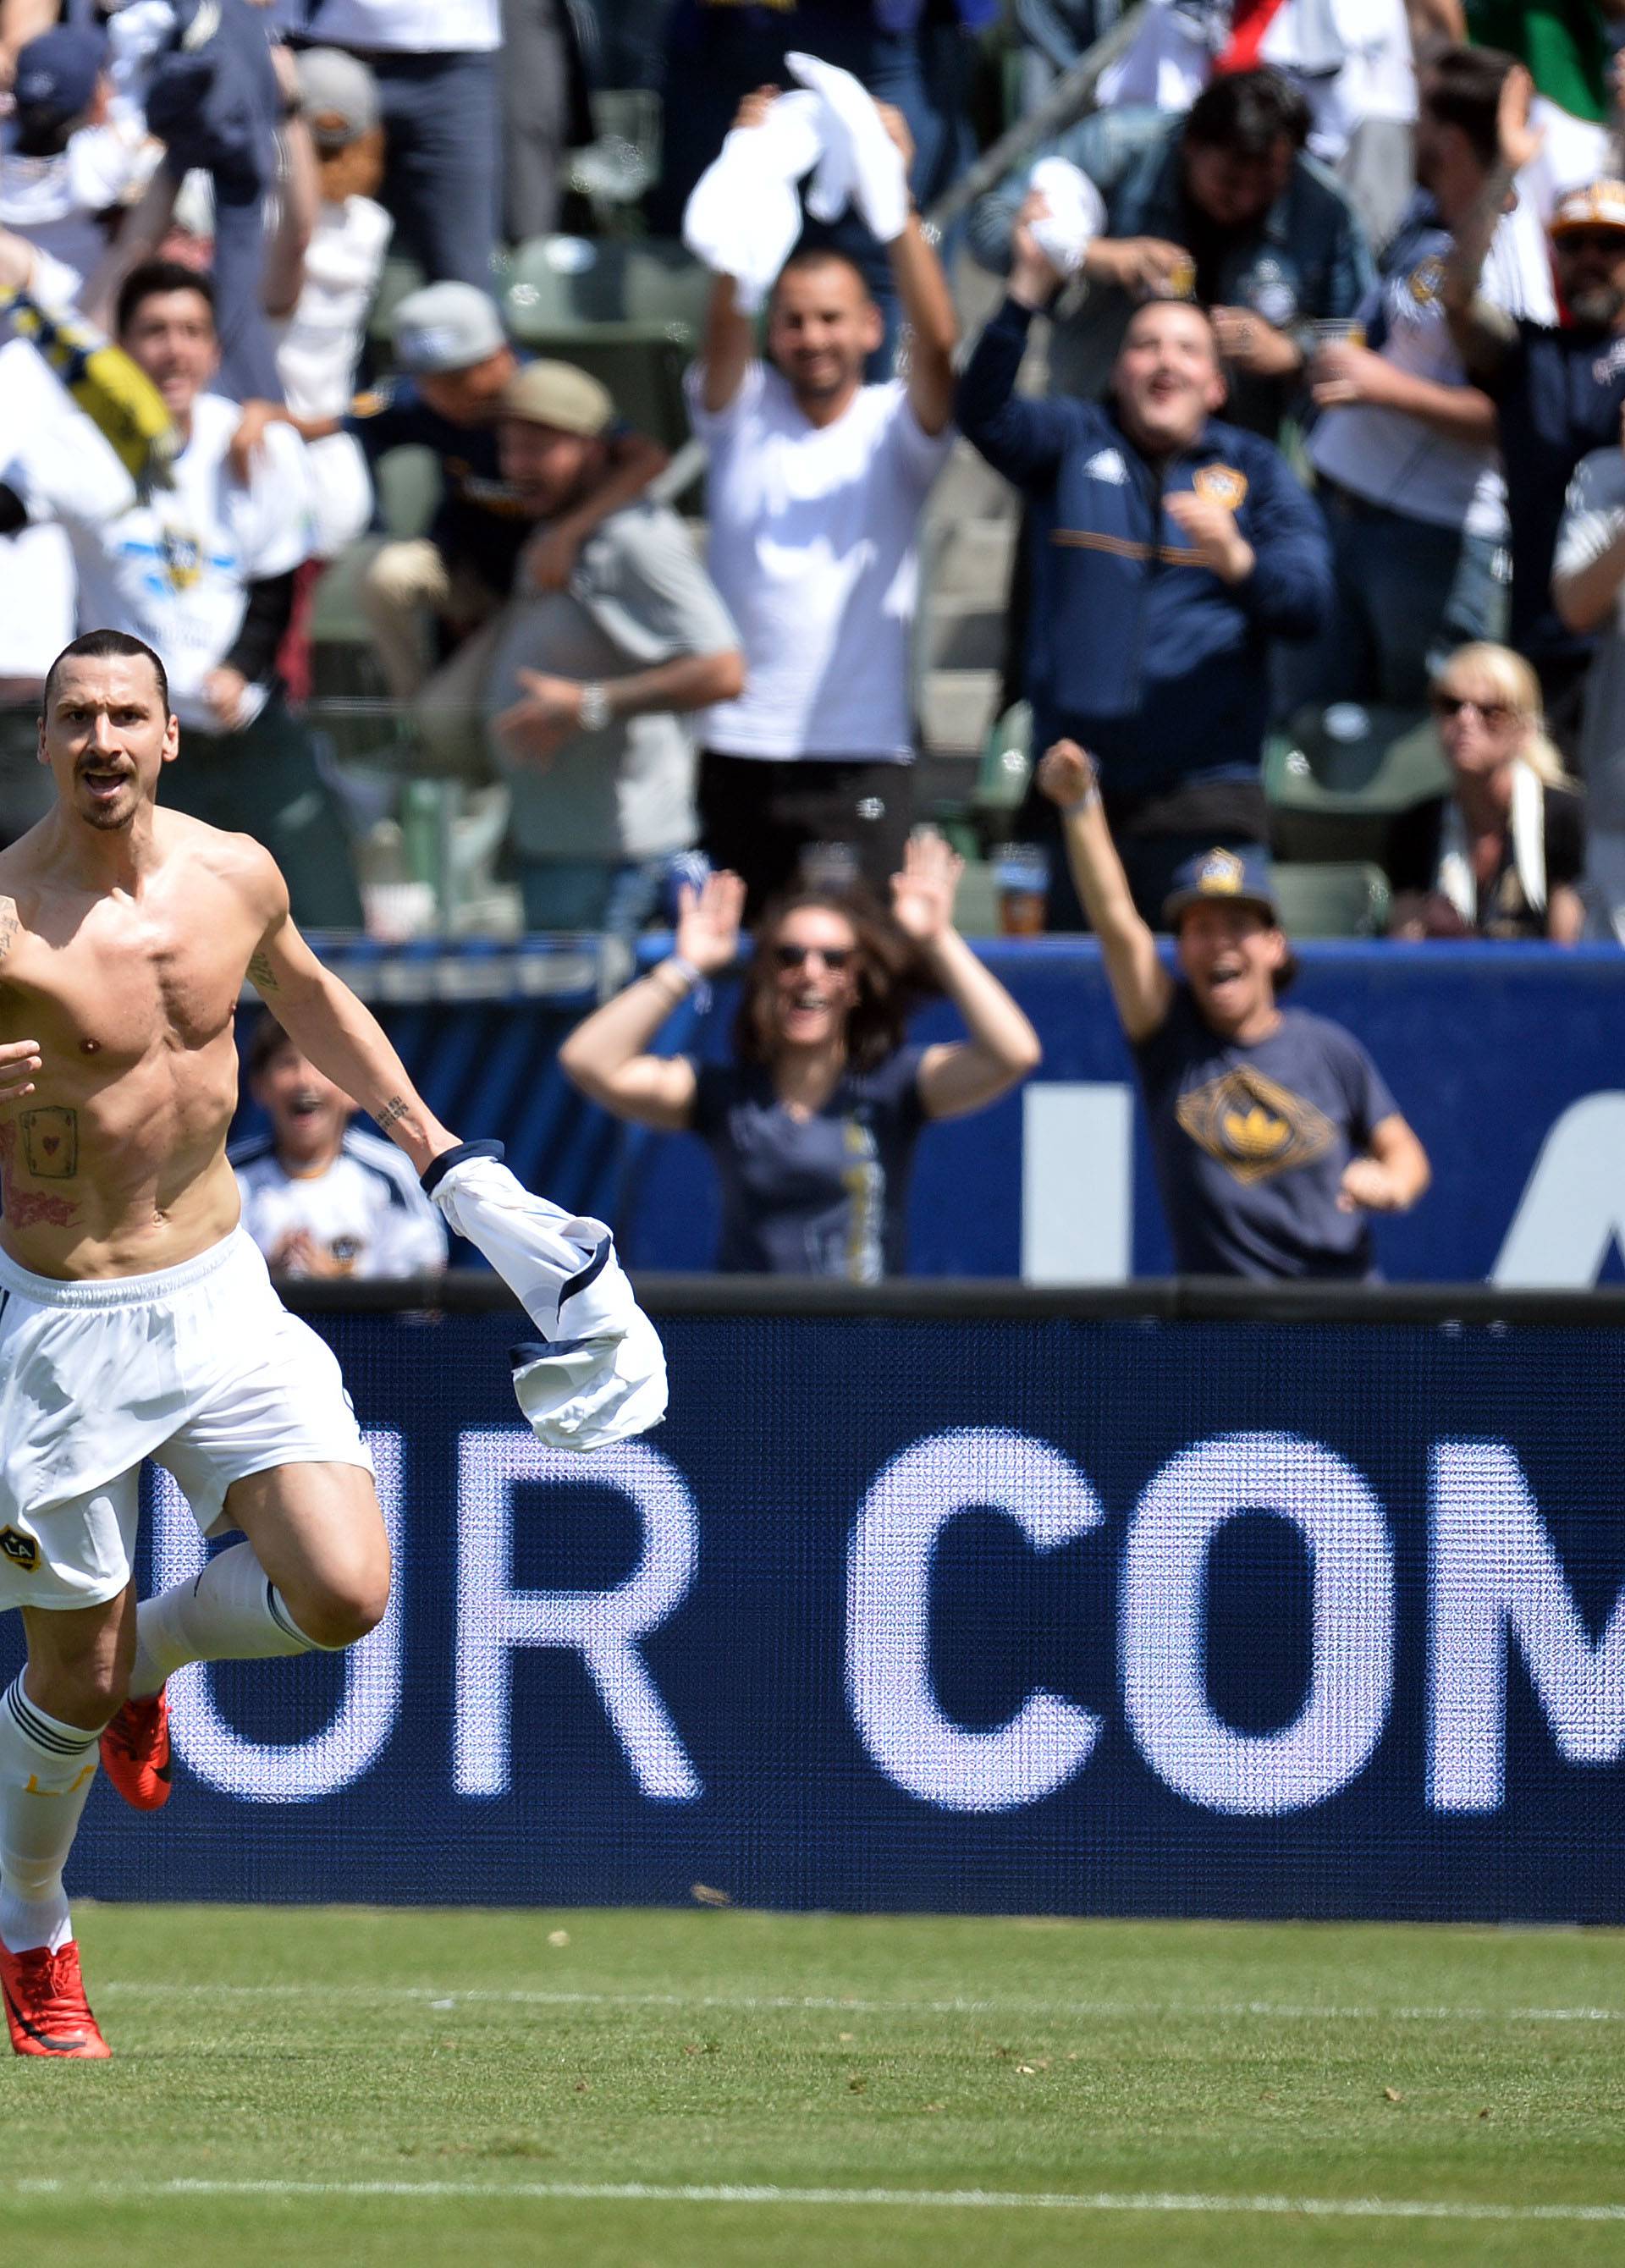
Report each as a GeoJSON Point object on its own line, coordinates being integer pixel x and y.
{"type": "Point", "coordinates": [1221, 484]}
{"type": "Point", "coordinates": [20, 1550]}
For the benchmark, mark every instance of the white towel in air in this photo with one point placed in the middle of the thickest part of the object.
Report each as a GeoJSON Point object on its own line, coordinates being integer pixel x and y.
{"type": "Point", "coordinates": [1076, 215]}
{"type": "Point", "coordinates": [861, 165]}
{"type": "Point", "coordinates": [601, 1375]}
{"type": "Point", "coordinates": [743, 214]}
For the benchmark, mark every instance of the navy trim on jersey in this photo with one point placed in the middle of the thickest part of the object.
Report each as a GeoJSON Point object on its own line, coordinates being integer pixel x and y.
{"type": "Point", "coordinates": [376, 1156]}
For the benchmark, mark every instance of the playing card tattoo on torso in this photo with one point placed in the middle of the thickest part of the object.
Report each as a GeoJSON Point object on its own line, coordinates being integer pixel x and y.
{"type": "Point", "coordinates": [51, 1143]}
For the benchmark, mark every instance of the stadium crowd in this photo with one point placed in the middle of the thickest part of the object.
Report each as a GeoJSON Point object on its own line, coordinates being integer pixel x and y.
{"type": "Point", "coordinates": [338, 342]}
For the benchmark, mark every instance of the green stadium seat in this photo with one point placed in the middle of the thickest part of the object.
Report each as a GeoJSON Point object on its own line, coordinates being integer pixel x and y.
{"type": "Point", "coordinates": [407, 483]}
{"type": "Point", "coordinates": [400, 276]}
{"type": "Point", "coordinates": [976, 906]}
{"type": "Point", "coordinates": [579, 279]}
{"type": "Point", "coordinates": [629, 314]}
{"type": "Point", "coordinates": [335, 616]}
{"type": "Point", "coordinates": [1338, 781]}
{"type": "Point", "coordinates": [1331, 898]}
{"type": "Point", "coordinates": [1007, 761]}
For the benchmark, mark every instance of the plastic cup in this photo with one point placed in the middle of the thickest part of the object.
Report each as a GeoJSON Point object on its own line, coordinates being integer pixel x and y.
{"type": "Point", "coordinates": [1022, 874]}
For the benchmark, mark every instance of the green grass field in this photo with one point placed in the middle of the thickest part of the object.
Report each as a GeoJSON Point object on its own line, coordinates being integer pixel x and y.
{"type": "Point", "coordinates": [595, 2087]}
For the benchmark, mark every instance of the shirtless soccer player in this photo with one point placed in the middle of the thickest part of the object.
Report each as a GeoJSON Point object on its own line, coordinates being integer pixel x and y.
{"type": "Point", "coordinates": [136, 1319]}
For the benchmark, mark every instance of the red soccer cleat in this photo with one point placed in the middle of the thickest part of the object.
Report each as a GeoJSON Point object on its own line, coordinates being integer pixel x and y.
{"type": "Point", "coordinates": [135, 1748]}
{"type": "Point", "coordinates": [46, 2007]}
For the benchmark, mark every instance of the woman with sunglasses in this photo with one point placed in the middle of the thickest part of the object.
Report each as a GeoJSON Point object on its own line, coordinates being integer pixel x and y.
{"type": "Point", "coordinates": [813, 1121]}
{"type": "Point", "coordinates": [1501, 856]}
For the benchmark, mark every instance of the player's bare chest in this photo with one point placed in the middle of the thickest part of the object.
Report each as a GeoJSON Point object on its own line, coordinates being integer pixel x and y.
{"type": "Point", "coordinates": [119, 988]}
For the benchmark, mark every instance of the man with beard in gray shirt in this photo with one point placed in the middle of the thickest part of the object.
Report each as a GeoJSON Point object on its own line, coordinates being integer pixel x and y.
{"type": "Point", "coordinates": [590, 685]}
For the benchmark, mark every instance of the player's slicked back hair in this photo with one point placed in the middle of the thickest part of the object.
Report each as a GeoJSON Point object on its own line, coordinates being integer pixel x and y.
{"type": "Point", "coordinates": [891, 980]}
{"type": "Point", "coordinates": [106, 645]}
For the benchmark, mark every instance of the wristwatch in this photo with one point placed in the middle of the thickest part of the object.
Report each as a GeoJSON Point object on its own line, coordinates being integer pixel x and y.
{"type": "Point", "coordinates": [595, 712]}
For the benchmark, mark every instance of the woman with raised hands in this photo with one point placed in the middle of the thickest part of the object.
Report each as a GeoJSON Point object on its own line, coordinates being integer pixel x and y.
{"type": "Point", "coordinates": [813, 1121]}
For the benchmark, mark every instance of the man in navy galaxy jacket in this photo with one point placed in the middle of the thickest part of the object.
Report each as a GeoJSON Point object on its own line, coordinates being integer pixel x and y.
{"type": "Point", "coordinates": [1167, 549]}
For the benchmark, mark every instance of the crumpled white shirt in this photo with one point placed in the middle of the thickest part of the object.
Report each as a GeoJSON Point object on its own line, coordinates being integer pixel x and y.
{"type": "Point", "coordinates": [1076, 215]}
{"type": "Point", "coordinates": [600, 1376]}
{"type": "Point", "coordinates": [860, 164]}
{"type": "Point", "coordinates": [743, 215]}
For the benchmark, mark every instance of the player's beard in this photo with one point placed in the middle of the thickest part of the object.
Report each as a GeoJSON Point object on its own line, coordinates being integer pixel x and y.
{"type": "Point", "coordinates": [109, 818]}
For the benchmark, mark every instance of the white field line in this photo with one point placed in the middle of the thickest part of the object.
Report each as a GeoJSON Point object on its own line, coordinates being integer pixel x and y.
{"type": "Point", "coordinates": [1151, 2201]}
{"type": "Point", "coordinates": [818, 2004]}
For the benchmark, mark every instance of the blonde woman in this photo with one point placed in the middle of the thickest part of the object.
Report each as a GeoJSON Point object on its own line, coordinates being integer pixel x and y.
{"type": "Point", "coordinates": [1501, 856]}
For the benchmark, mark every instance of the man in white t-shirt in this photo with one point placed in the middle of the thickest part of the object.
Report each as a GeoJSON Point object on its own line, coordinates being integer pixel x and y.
{"type": "Point", "coordinates": [1407, 467]}
{"type": "Point", "coordinates": [814, 491]}
{"type": "Point", "coordinates": [320, 1196]}
{"type": "Point", "coordinates": [201, 569]}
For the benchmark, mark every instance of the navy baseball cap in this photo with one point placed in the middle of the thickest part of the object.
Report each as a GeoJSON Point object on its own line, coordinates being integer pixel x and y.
{"type": "Point", "coordinates": [1222, 878]}
{"type": "Point", "coordinates": [56, 73]}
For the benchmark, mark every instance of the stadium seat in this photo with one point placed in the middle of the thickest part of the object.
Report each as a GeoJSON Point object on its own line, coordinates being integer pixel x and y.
{"type": "Point", "coordinates": [1007, 761]}
{"type": "Point", "coordinates": [613, 171]}
{"type": "Point", "coordinates": [628, 314]}
{"type": "Point", "coordinates": [407, 483]}
{"type": "Point", "coordinates": [400, 276]}
{"type": "Point", "coordinates": [976, 905]}
{"type": "Point", "coordinates": [1340, 778]}
{"type": "Point", "coordinates": [1331, 898]}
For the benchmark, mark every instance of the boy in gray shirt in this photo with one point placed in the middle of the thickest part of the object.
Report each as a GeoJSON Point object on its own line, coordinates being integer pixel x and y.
{"type": "Point", "coordinates": [590, 684]}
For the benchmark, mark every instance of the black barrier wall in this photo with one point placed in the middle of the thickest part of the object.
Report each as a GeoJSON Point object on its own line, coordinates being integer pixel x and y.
{"type": "Point", "coordinates": [1131, 1612]}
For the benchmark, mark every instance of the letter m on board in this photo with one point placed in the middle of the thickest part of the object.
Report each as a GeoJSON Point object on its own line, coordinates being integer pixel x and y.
{"type": "Point", "coordinates": [1496, 1581]}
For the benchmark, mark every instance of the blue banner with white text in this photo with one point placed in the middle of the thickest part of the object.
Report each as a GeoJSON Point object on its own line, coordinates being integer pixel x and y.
{"type": "Point", "coordinates": [1033, 1615]}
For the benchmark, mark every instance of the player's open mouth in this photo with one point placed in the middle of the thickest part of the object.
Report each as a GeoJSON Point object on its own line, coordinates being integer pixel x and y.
{"type": "Point", "coordinates": [103, 782]}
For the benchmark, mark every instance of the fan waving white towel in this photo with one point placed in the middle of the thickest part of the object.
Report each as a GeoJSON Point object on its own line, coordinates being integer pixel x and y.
{"type": "Point", "coordinates": [601, 1375]}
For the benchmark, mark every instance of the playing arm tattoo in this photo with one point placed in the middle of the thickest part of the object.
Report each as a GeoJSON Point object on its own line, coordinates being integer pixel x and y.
{"type": "Point", "coordinates": [262, 975]}
{"type": "Point", "coordinates": [391, 1112]}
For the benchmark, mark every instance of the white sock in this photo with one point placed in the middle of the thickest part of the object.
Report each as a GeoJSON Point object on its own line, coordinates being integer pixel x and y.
{"type": "Point", "coordinates": [46, 1771]}
{"type": "Point", "coordinates": [232, 1612]}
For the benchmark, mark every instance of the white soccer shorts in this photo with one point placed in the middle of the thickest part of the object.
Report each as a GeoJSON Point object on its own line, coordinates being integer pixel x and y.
{"type": "Point", "coordinates": [200, 1367]}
